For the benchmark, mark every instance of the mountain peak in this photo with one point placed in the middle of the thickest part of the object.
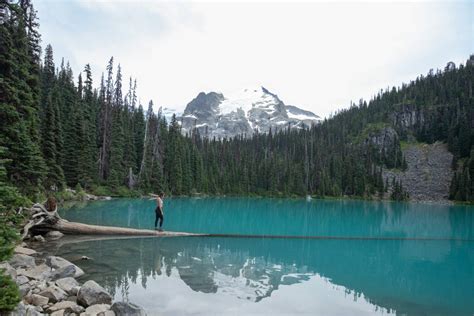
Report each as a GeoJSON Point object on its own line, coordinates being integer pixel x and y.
{"type": "Point", "coordinates": [242, 112]}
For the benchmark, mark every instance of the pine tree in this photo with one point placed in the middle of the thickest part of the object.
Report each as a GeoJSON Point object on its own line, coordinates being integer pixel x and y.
{"type": "Point", "coordinates": [175, 157]}
{"type": "Point", "coordinates": [17, 105]}
{"type": "Point", "coordinates": [118, 169]}
{"type": "Point", "coordinates": [105, 121]}
{"type": "Point", "coordinates": [51, 133]}
{"type": "Point", "coordinates": [138, 136]}
{"type": "Point", "coordinates": [90, 113]}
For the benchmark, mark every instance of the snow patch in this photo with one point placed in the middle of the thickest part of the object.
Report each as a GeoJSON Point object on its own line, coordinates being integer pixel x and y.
{"type": "Point", "coordinates": [191, 116]}
{"type": "Point", "coordinates": [302, 117]}
{"type": "Point", "coordinates": [246, 100]}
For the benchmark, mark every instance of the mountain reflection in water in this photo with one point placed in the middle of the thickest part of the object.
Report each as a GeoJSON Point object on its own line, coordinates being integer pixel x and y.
{"type": "Point", "coordinates": [312, 276]}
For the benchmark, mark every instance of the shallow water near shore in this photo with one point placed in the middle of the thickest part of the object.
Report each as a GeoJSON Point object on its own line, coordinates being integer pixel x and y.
{"type": "Point", "coordinates": [418, 258]}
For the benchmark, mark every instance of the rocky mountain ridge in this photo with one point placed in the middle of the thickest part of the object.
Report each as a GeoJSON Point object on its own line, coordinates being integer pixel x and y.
{"type": "Point", "coordinates": [245, 112]}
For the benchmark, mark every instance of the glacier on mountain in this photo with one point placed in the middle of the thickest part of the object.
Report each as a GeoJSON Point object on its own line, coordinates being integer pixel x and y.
{"type": "Point", "coordinates": [244, 112]}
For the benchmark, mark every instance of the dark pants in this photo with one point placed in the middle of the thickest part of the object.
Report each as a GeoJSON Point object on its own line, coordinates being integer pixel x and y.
{"type": "Point", "coordinates": [159, 215]}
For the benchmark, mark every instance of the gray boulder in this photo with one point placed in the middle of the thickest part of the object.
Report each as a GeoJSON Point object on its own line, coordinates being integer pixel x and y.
{"type": "Point", "coordinates": [8, 269]}
{"type": "Point", "coordinates": [53, 235]}
{"type": "Point", "coordinates": [24, 289]}
{"type": "Point", "coordinates": [37, 300]}
{"type": "Point", "coordinates": [68, 306]}
{"type": "Point", "coordinates": [23, 309]}
{"type": "Point", "coordinates": [21, 279]}
{"type": "Point", "coordinates": [22, 261]}
{"type": "Point", "coordinates": [92, 293]}
{"type": "Point", "coordinates": [64, 272]}
{"type": "Point", "coordinates": [68, 284]}
{"type": "Point", "coordinates": [39, 238]}
{"type": "Point", "coordinates": [75, 290]}
{"type": "Point", "coordinates": [97, 308]}
{"type": "Point", "coordinates": [24, 251]}
{"type": "Point", "coordinates": [54, 293]}
{"type": "Point", "coordinates": [41, 272]}
{"type": "Point", "coordinates": [127, 309]}
{"type": "Point", "coordinates": [58, 263]}
{"type": "Point", "coordinates": [42, 285]}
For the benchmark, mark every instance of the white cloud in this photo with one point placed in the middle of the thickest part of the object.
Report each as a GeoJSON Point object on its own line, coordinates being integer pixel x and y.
{"type": "Point", "coordinates": [315, 55]}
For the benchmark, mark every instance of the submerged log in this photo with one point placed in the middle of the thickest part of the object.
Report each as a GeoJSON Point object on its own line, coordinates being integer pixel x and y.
{"type": "Point", "coordinates": [43, 220]}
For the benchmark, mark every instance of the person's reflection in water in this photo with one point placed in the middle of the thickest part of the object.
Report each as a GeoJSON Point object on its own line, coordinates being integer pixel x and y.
{"type": "Point", "coordinates": [169, 264]}
{"type": "Point", "coordinates": [158, 263]}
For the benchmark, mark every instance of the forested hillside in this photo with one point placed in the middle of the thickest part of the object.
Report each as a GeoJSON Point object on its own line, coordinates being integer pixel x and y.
{"type": "Point", "coordinates": [59, 129]}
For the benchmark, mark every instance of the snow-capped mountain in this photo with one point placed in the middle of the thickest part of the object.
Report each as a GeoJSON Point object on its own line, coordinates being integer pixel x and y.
{"type": "Point", "coordinates": [242, 113]}
{"type": "Point", "coordinates": [168, 113]}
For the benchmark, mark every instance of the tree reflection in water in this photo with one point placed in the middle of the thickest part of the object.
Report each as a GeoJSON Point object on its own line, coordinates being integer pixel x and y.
{"type": "Point", "coordinates": [401, 275]}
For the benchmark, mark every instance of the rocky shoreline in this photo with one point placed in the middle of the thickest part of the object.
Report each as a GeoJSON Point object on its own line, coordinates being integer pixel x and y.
{"type": "Point", "coordinates": [48, 286]}
{"type": "Point", "coordinates": [84, 196]}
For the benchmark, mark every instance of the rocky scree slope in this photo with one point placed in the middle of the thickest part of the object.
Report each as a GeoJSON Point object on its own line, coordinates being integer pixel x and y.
{"type": "Point", "coordinates": [429, 172]}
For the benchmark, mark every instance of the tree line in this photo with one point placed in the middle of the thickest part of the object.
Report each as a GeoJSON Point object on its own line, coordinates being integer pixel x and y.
{"type": "Point", "coordinates": [59, 130]}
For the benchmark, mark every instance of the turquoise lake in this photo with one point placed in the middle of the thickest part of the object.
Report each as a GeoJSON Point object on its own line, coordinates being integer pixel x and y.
{"type": "Point", "coordinates": [369, 258]}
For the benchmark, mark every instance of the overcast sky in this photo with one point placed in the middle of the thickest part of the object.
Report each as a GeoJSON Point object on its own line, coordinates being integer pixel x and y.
{"type": "Point", "coordinates": [318, 56]}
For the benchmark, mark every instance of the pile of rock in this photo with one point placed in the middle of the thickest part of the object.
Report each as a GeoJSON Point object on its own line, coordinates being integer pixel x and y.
{"type": "Point", "coordinates": [49, 286]}
{"type": "Point", "coordinates": [87, 196]}
{"type": "Point", "coordinates": [92, 197]}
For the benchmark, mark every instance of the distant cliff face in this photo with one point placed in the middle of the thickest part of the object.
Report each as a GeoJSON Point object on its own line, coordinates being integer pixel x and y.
{"type": "Point", "coordinates": [385, 141]}
{"type": "Point", "coordinates": [243, 113]}
{"type": "Point", "coordinates": [428, 173]}
{"type": "Point", "coordinates": [424, 170]}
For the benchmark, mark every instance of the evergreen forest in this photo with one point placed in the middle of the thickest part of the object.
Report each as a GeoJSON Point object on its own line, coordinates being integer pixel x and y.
{"type": "Point", "coordinates": [60, 129]}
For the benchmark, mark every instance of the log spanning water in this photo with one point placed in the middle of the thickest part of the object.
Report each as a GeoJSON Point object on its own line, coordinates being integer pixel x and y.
{"type": "Point", "coordinates": [43, 221]}
{"type": "Point", "coordinates": [73, 228]}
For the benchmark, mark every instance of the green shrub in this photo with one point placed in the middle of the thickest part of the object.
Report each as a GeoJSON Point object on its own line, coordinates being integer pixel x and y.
{"type": "Point", "coordinates": [8, 237]}
{"type": "Point", "coordinates": [80, 193]}
{"type": "Point", "coordinates": [10, 199]}
{"type": "Point", "coordinates": [9, 293]}
{"type": "Point", "coordinates": [65, 195]}
{"type": "Point", "coordinates": [126, 192]}
{"type": "Point", "coordinates": [101, 191]}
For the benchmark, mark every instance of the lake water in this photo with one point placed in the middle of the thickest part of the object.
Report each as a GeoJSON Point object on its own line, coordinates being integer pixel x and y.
{"type": "Point", "coordinates": [368, 258]}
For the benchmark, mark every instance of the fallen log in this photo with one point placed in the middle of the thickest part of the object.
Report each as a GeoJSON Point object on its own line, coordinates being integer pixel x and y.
{"type": "Point", "coordinates": [74, 228]}
{"type": "Point", "coordinates": [44, 219]}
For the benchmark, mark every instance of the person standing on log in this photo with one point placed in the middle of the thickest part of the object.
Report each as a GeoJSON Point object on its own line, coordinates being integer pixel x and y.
{"type": "Point", "coordinates": [159, 214]}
